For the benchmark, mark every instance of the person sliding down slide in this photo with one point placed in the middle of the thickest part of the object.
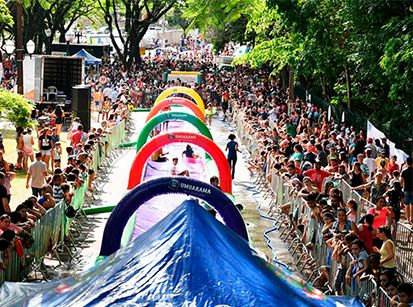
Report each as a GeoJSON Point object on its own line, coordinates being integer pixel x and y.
{"type": "Point", "coordinates": [159, 156]}
{"type": "Point", "coordinates": [175, 171]}
{"type": "Point", "coordinates": [189, 153]}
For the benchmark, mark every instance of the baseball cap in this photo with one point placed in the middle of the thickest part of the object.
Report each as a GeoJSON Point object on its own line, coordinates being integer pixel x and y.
{"type": "Point", "coordinates": [370, 140]}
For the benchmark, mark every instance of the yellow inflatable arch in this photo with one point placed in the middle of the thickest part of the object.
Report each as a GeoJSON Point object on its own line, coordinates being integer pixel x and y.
{"type": "Point", "coordinates": [182, 90]}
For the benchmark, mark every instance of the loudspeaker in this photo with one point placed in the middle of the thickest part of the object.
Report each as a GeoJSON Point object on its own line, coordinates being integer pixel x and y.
{"type": "Point", "coordinates": [81, 95]}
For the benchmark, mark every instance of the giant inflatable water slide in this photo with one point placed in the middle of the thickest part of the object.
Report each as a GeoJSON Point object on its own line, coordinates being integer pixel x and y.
{"type": "Point", "coordinates": [161, 247]}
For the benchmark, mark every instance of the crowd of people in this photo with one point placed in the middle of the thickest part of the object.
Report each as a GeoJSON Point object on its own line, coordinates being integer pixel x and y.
{"type": "Point", "coordinates": [54, 173]}
{"type": "Point", "coordinates": [303, 146]}
{"type": "Point", "coordinates": [314, 155]}
{"type": "Point", "coordinates": [297, 141]}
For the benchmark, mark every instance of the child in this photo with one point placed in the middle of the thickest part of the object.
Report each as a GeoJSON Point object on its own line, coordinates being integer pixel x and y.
{"type": "Point", "coordinates": [405, 296]}
{"type": "Point", "coordinates": [57, 158]}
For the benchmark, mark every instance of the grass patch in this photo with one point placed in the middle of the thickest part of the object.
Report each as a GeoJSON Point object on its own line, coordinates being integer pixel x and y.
{"type": "Point", "coordinates": [19, 193]}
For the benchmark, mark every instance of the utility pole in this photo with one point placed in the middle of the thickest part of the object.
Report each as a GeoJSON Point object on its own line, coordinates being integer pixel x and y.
{"type": "Point", "coordinates": [19, 46]}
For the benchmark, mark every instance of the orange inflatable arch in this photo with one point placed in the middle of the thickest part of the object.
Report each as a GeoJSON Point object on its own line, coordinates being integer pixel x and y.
{"type": "Point", "coordinates": [176, 101]}
{"type": "Point", "coordinates": [136, 171]}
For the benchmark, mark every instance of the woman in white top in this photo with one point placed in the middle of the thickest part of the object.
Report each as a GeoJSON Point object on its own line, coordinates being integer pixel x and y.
{"type": "Point", "coordinates": [28, 143]}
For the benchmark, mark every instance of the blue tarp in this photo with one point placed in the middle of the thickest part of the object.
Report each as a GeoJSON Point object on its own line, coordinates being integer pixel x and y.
{"type": "Point", "coordinates": [89, 59]}
{"type": "Point", "coordinates": [187, 259]}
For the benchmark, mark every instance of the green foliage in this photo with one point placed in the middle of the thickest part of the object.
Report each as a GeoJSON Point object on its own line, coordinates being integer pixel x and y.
{"type": "Point", "coordinates": [222, 21]}
{"type": "Point", "coordinates": [176, 17]}
{"type": "Point", "coordinates": [16, 109]}
{"type": "Point", "coordinates": [5, 17]}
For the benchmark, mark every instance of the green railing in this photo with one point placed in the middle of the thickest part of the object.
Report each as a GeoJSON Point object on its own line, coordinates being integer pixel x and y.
{"type": "Point", "coordinates": [54, 227]}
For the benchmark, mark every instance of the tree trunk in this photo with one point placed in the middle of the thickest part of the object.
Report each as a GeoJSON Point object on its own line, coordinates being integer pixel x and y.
{"type": "Point", "coordinates": [323, 86]}
{"type": "Point", "coordinates": [348, 86]}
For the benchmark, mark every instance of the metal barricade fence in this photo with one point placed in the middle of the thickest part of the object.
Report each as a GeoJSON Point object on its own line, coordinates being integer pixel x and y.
{"type": "Point", "coordinates": [404, 251]}
{"type": "Point", "coordinates": [54, 226]}
{"type": "Point", "coordinates": [404, 234]}
{"type": "Point", "coordinates": [300, 213]}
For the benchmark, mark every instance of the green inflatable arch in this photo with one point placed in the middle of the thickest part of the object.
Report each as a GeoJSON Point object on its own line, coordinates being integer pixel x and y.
{"type": "Point", "coordinates": [163, 117]}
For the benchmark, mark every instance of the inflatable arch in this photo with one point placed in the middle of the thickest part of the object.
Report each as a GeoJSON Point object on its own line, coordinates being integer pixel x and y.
{"type": "Point", "coordinates": [166, 185]}
{"type": "Point", "coordinates": [182, 90]}
{"type": "Point", "coordinates": [162, 117]}
{"type": "Point", "coordinates": [161, 140]}
{"type": "Point", "coordinates": [176, 101]}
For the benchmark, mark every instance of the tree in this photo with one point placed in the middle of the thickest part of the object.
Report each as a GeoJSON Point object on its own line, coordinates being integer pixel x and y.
{"type": "Point", "coordinates": [138, 16]}
{"type": "Point", "coordinates": [222, 21]}
{"type": "Point", "coordinates": [176, 18]}
{"type": "Point", "coordinates": [16, 109]}
{"type": "Point", "coordinates": [5, 18]}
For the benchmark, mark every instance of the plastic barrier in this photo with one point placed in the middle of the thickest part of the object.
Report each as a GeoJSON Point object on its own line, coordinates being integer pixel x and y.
{"type": "Point", "coordinates": [136, 172]}
{"type": "Point", "coordinates": [166, 185]}
{"type": "Point", "coordinates": [163, 117]}
{"type": "Point", "coordinates": [299, 212]}
{"type": "Point", "coordinates": [177, 101]}
{"type": "Point", "coordinates": [51, 229]}
{"type": "Point", "coordinates": [182, 90]}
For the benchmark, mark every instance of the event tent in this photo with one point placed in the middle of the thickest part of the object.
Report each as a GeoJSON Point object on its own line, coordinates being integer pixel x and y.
{"type": "Point", "coordinates": [187, 259]}
{"type": "Point", "coordinates": [89, 59]}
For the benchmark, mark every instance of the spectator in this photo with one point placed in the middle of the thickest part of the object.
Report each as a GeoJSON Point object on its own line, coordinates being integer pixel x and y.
{"type": "Point", "coordinates": [28, 152]}
{"type": "Point", "coordinates": [317, 175]}
{"type": "Point", "coordinates": [393, 166]}
{"type": "Point", "coordinates": [366, 231]}
{"type": "Point", "coordinates": [407, 183]}
{"type": "Point", "coordinates": [342, 223]}
{"type": "Point", "coordinates": [46, 200]}
{"type": "Point", "coordinates": [381, 212]}
{"type": "Point", "coordinates": [36, 177]}
{"type": "Point", "coordinates": [46, 146]}
{"type": "Point", "coordinates": [19, 147]}
{"type": "Point", "coordinates": [404, 297]}
{"type": "Point", "coordinates": [3, 164]}
{"type": "Point", "coordinates": [78, 137]}
{"type": "Point", "coordinates": [352, 212]}
{"type": "Point", "coordinates": [4, 201]}
{"type": "Point", "coordinates": [391, 288]}
{"type": "Point", "coordinates": [378, 187]}
{"type": "Point", "coordinates": [359, 265]}
{"type": "Point", "coordinates": [387, 250]}
{"type": "Point", "coordinates": [1, 143]}
{"type": "Point", "coordinates": [395, 198]}
{"type": "Point", "coordinates": [371, 164]}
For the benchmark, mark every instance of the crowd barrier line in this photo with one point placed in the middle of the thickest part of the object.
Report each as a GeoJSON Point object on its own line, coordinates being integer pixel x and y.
{"type": "Point", "coordinates": [53, 230]}
{"type": "Point", "coordinates": [300, 213]}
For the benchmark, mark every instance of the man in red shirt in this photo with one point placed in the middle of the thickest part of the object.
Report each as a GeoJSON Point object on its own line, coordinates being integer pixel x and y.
{"type": "Point", "coordinates": [317, 175]}
{"type": "Point", "coordinates": [77, 136]}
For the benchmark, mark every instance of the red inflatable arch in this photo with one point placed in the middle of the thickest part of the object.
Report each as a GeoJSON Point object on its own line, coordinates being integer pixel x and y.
{"type": "Point", "coordinates": [136, 171]}
{"type": "Point", "coordinates": [176, 101]}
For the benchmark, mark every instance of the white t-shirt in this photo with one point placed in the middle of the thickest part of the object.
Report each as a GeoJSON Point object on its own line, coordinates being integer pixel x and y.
{"type": "Point", "coordinates": [371, 164]}
{"type": "Point", "coordinates": [37, 170]}
{"type": "Point", "coordinates": [27, 141]}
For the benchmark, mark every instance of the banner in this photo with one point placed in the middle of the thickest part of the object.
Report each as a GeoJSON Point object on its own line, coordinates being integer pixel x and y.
{"type": "Point", "coordinates": [373, 132]}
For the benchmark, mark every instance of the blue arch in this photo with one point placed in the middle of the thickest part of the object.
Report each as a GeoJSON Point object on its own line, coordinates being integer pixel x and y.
{"type": "Point", "coordinates": [168, 185]}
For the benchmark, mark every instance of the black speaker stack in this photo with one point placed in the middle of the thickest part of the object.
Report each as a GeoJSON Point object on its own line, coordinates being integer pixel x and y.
{"type": "Point", "coordinates": [81, 95]}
